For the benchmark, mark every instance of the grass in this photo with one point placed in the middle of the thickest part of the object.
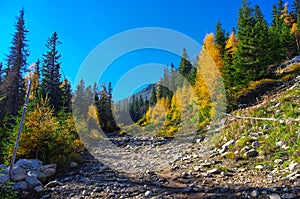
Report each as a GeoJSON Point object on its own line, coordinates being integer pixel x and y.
{"type": "Point", "coordinates": [282, 106]}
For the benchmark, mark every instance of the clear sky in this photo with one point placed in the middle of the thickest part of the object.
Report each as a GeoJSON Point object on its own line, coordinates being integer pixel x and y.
{"type": "Point", "coordinates": [82, 25]}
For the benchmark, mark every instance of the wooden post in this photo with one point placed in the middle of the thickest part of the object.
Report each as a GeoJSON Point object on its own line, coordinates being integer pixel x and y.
{"type": "Point", "coordinates": [19, 130]}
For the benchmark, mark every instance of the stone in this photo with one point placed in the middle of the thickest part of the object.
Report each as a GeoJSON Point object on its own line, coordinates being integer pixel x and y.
{"type": "Point", "coordinates": [279, 143]}
{"type": "Point", "coordinates": [251, 153]}
{"type": "Point", "coordinates": [21, 185]}
{"type": "Point", "coordinates": [289, 196]}
{"type": "Point", "coordinates": [29, 164]}
{"type": "Point", "coordinates": [274, 196]}
{"type": "Point", "coordinates": [73, 164]}
{"type": "Point", "coordinates": [18, 173]}
{"type": "Point", "coordinates": [38, 189]}
{"type": "Point", "coordinates": [292, 166]}
{"type": "Point", "coordinates": [54, 183]}
{"type": "Point", "coordinates": [40, 176]}
{"type": "Point", "coordinates": [214, 171]}
{"type": "Point", "coordinates": [4, 178]}
{"type": "Point", "coordinates": [148, 193]}
{"type": "Point", "coordinates": [278, 161]}
{"type": "Point", "coordinates": [254, 193]}
{"type": "Point", "coordinates": [259, 167]}
{"type": "Point", "coordinates": [267, 126]}
{"type": "Point", "coordinates": [255, 144]}
{"type": "Point", "coordinates": [49, 170]}
{"type": "Point", "coordinates": [225, 146]}
{"type": "Point", "coordinates": [187, 189]}
{"type": "Point", "coordinates": [228, 154]}
{"type": "Point", "coordinates": [32, 182]}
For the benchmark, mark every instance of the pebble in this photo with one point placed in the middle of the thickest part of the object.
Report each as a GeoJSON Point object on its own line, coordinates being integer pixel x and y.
{"type": "Point", "coordinates": [254, 193]}
{"type": "Point", "coordinates": [274, 196]}
{"type": "Point", "coordinates": [148, 193]}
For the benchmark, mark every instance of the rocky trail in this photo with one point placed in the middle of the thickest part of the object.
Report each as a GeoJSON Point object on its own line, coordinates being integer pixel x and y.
{"type": "Point", "coordinates": [186, 171]}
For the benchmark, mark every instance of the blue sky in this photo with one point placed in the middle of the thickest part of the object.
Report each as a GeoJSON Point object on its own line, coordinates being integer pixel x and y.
{"type": "Point", "coordinates": [82, 25]}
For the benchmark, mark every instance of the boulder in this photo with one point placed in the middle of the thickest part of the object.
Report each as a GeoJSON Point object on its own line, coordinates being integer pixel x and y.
{"type": "Point", "coordinates": [48, 170]}
{"type": "Point", "coordinates": [32, 182]}
{"type": "Point", "coordinates": [18, 173]}
{"type": "Point", "coordinates": [29, 164]}
{"type": "Point", "coordinates": [21, 185]}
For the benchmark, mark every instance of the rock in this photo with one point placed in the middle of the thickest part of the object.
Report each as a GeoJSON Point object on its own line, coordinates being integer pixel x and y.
{"type": "Point", "coordinates": [292, 166]}
{"type": "Point", "coordinates": [255, 144]}
{"type": "Point", "coordinates": [54, 183]}
{"type": "Point", "coordinates": [29, 164]}
{"type": "Point", "coordinates": [225, 146]}
{"type": "Point", "coordinates": [49, 170]}
{"type": "Point", "coordinates": [289, 196]}
{"type": "Point", "coordinates": [254, 193]}
{"type": "Point", "coordinates": [267, 126]}
{"type": "Point", "coordinates": [38, 189]}
{"type": "Point", "coordinates": [4, 178]}
{"type": "Point", "coordinates": [85, 193]}
{"type": "Point", "coordinates": [245, 149]}
{"type": "Point", "coordinates": [196, 168]}
{"type": "Point", "coordinates": [40, 176]}
{"type": "Point", "coordinates": [73, 164]}
{"type": "Point", "coordinates": [185, 175]}
{"type": "Point", "coordinates": [274, 196]}
{"type": "Point", "coordinates": [214, 171]}
{"type": "Point", "coordinates": [32, 182]}
{"type": "Point", "coordinates": [279, 143]}
{"type": "Point", "coordinates": [187, 189]}
{"type": "Point", "coordinates": [251, 153]}
{"type": "Point", "coordinates": [278, 161]}
{"type": "Point", "coordinates": [21, 185]}
{"type": "Point", "coordinates": [148, 193]}
{"type": "Point", "coordinates": [18, 173]}
{"type": "Point", "coordinates": [259, 167]}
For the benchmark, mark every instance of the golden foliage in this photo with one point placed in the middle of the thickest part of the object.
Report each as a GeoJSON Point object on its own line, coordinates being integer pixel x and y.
{"type": "Point", "coordinates": [213, 49]}
{"type": "Point", "coordinates": [47, 139]}
{"type": "Point", "coordinates": [231, 44]}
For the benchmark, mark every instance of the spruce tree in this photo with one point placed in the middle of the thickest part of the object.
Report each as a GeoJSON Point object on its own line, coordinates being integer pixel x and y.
{"type": "Point", "coordinates": [51, 77]}
{"type": "Point", "coordinates": [153, 98]}
{"type": "Point", "coordinates": [13, 86]}
{"type": "Point", "coordinates": [221, 37]}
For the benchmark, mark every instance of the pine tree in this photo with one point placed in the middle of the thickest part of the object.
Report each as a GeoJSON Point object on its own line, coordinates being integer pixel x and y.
{"type": "Point", "coordinates": [221, 38]}
{"type": "Point", "coordinates": [253, 49]}
{"type": "Point", "coordinates": [51, 77]}
{"type": "Point", "coordinates": [66, 97]}
{"type": "Point", "coordinates": [185, 69]}
{"type": "Point", "coordinates": [153, 98]}
{"type": "Point", "coordinates": [13, 86]}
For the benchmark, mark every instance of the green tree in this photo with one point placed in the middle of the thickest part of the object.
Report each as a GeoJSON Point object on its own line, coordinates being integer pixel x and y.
{"type": "Point", "coordinates": [252, 55]}
{"type": "Point", "coordinates": [51, 77]}
{"type": "Point", "coordinates": [13, 86]}
{"type": "Point", "coordinates": [221, 38]}
{"type": "Point", "coordinates": [153, 98]}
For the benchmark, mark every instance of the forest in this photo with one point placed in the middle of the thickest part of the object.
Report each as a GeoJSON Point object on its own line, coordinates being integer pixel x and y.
{"type": "Point", "coordinates": [250, 54]}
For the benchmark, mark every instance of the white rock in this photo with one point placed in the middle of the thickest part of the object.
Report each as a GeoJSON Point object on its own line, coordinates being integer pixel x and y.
{"type": "Point", "coordinates": [148, 193]}
{"type": "Point", "coordinates": [214, 171]}
{"type": "Point", "coordinates": [274, 196]}
{"type": "Point", "coordinates": [254, 193]}
{"type": "Point", "coordinates": [279, 143]}
{"type": "Point", "coordinates": [259, 167]}
{"type": "Point", "coordinates": [278, 161]}
{"type": "Point", "coordinates": [292, 166]}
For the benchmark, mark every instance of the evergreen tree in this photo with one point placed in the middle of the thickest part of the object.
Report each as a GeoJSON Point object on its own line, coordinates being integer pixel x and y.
{"type": "Point", "coordinates": [221, 37]}
{"type": "Point", "coordinates": [252, 55]}
{"type": "Point", "coordinates": [51, 77]}
{"type": "Point", "coordinates": [185, 69]}
{"type": "Point", "coordinates": [153, 98]}
{"type": "Point", "coordinates": [66, 96]}
{"type": "Point", "coordinates": [13, 86]}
